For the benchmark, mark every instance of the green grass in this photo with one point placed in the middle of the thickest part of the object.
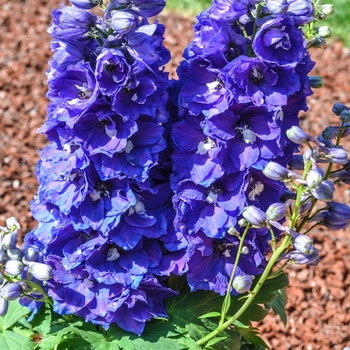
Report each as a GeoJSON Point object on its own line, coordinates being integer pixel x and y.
{"type": "Point", "coordinates": [188, 8]}
{"type": "Point", "coordinates": [339, 22]}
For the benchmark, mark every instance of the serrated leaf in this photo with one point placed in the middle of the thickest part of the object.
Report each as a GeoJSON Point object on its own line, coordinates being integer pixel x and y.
{"type": "Point", "coordinates": [13, 341]}
{"type": "Point", "coordinates": [251, 334]}
{"type": "Point", "coordinates": [14, 313]}
{"type": "Point", "coordinates": [279, 305]}
{"type": "Point", "coordinates": [41, 322]}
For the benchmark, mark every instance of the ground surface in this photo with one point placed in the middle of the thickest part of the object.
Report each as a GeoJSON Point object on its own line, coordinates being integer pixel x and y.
{"type": "Point", "coordinates": [319, 297]}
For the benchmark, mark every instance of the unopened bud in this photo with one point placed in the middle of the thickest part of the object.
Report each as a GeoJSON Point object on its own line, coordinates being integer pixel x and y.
{"type": "Point", "coordinates": [331, 132]}
{"type": "Point", "coordinates": [14, 254]}
{"type": "Point", "coordinates": [254, 216]}
{"type": "Point", "coordinates": [316, 42]}
{"type": "Point", "coordinates": [242, 283]}
{"type": "Point", "coordinates": [9, 240]}
{"type": "Point", "coordinates": [40, 271]}
{"type": "Point", "coordinates": [245, 250]}
{"type": "Point", "coordinates": [295, 257]}
{"type": "Point", "coordinates": [86, 4]}
{"type": "Point", "coordinates": [297, 162]}
{"type": "Point", "coordinates": [324, 192]}
{"type": "Point", "coordinates": [277, 211]}
{"type": "Point", "coordinates": [338, 108]}
{"type": "Point", "coordinates": [327, 9]}
{"type": "Point", "coordinates": [334, 155]}
{"type": "Point", "coordinates": [123, 21]}
{"type": "Point", "coordinates": [316, 81]}
{"type": "Point", "coordinates": [275, 171]}
{"type": "Point", "coordinates": [314, 178]}
{"type": "Point", "coordinates": [13, 225]}
{"type": "Point", "coordinates": [340, 211]}
{"type": "Point", "coordinates": [304, 245]}
{"type": "Point", "coordinates": [13, 267]}
{"type": "Point", "coordinates": [29, 255]}
{"type": "Point", "coordinates": [345, 116]}
{"type": "Point", "coordinates": [298, 135]}
{"type": "Point", "coordinates": [4, 305]}
{"type": "Point", "coordinates": [324, 32]}
{"type": "Point", "coordinates": [11, 291]}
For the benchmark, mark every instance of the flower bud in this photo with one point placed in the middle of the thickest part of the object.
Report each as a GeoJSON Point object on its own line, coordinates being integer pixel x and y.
{"type": "Point", "coordinates": [9, 240]}
{"type": "Point", "coordinates": [345, 116]}
{"type": "Point", "coordinates": [29, 255]}
{"type": "Point", "coordinates": [14, 254]}
{"type": "Point", "coordinates": [297, 162]}
{"type": "Point", "coordinates": [242, 222]}
{"type": "Point", "coordinates": [299, 136]}
{"type": "Point", "coordinates": [123, 21]}
{"type": "Point", "coordinates": [40, 271]}
{"type": "Point", "coordinates": [295, 257]}
{"type": "Point", "coordinates": [275, 171]}
{"type": "Point", "coordinates": [310, 154]}
{"type": "Point", "coordinates": [11, 291]}
{"type": "Point", "coordinates": [331, 132]}
{"type": "Point", "coordinates": [254, 216]}
{"type": "Point", "coordinates": [277, 211]}
{"type": "Point", "coordinates": [12, 224]}
{"type": "Point", "coordinates": [334, 155]}
{"type": "Point", "coordinates": [147, 8]}
{"type": "Point", "coordinates": [340, 211]}
{"type": "Point", "coordinates": [4, 305]}
{"type": "Point", "coordinates": [326, 9]}
{"type": "Point", "coordinates": [338, 108]}
{"type": "Point", "coordinates": [316, 81]}
{"type": "Point", "coordinates": [13, 267]}
{"type": "Point", "coordinates": [324, 192]}
{"type": "Point", "coordinates": [324, 32]}
{"type": "Point", "coordinates": [245, 250]}
{"type": "Point", "coordinates": [304, 245]}
{"type": "Point", "coordinates": [242, 283]}
{"type": "Point", "coordinates": [314, 178]}
{"type": "Point", "coordinates": [316, 42]}
{"type": "Point", "coordinates": [305, 207]}
{"type": "Point", "coordinates": [86, 4]}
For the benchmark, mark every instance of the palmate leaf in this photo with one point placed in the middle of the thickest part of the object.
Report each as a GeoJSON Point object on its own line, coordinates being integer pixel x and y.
{"type": "Point", "coordinates": [279, 305]}
{"type": "Point", "coordinates": [9, 339]}
{"type": "Point", "coordinates": [192, 315]}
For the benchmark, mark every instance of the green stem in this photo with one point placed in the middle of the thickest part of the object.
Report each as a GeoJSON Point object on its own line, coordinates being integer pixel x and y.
{"type": "Point", "coordinates": [285, 244]}
{"type": "Point", "coordinates": [227, 300]}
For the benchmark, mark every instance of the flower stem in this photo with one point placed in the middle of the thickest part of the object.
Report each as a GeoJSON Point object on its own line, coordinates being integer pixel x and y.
{"type": "Point", "coordinates": [250, 298]}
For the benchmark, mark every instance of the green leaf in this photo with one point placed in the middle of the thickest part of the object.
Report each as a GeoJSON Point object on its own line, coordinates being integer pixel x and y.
{"type": "Point", "coordinates": [215, 341]}
{"type": "Point", "coordinates": [251, 334]}
{"type": "Point", "coordinates": [279, 305]}
{"type": "Point", "coordinates": [14, 314]}
{"type": "Point", "coordinates": [272, 285]}
{"type": "Point", "coordinates": [41, 322]}
{"type": "Point", "coordinates": [211, 314]}
{"type": "Point", "coordinates": [13, 341]}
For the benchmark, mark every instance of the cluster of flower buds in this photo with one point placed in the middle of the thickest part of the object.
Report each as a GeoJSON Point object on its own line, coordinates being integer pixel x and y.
{"type": "Point", "coordinates": [317, 183]}
{"type": "Point", "coordinates": [19, 270]}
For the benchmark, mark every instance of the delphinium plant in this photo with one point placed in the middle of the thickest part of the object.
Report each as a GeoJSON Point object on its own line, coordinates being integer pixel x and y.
{"type": "Point", "coordinates": [168, 210]}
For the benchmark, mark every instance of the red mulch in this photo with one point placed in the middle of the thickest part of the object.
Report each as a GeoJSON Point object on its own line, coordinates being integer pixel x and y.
{"type": "Point", "coordinates": [319, 297]}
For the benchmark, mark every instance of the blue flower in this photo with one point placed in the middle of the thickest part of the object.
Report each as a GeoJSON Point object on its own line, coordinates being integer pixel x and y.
{"type": "Point", "coordinates": [280, 43]}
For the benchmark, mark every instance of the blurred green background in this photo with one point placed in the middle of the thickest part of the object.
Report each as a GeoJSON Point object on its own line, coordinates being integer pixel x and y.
{"type": "Point", "coordinates": [339, 22]}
